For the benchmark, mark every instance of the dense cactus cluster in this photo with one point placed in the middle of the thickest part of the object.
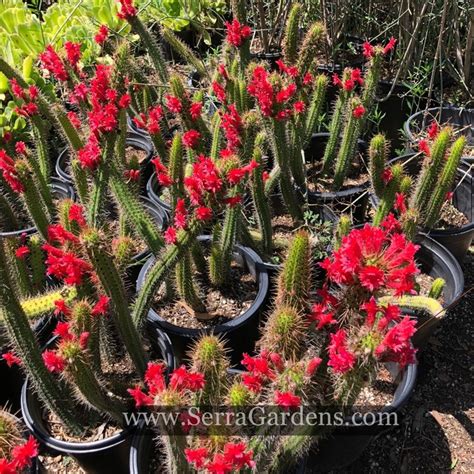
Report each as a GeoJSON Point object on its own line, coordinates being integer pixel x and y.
{"type": "Point", "coordinates": [417, 198]}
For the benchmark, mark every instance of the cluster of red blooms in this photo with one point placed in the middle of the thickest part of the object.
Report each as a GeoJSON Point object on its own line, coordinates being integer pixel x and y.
{"type": "Point", "coordinates": [369, 50]}
{"type": "Point", "coordinates": [265, 368]}
{"type": "Point", "coordinates": [29, 107]}
{"type": "Point", "coordinates": [181, 381]}
{"type": "Point", "coordinates": [237, 33]}
{"type": "Point", "coordinates": [376, 260]}
{"type": "Point", "coordinates": [51, 61]}
{"type": "Point", "coordinates": [21, 457]}
{"type": "Point", "coordinates": [231, 122]}
{"type": "Point", "coordinates": [350, 83]}
{"type": "Point", "coordinates": [101, 35]}
{"type": "Point", "coordinates": [272, 102]}
{"type": "Point", "coordinates": [235, 456]}
{"type": "Point", "coordinates": [201, 186]}
{"type": "Point", "coordinates": [53, 359]}
{"type": "Point", "coordinates": [9, 173]}
{"type": "Point", "coordinates": [127, 10]}
{"type": "Point", "coordinates": [150, 123]}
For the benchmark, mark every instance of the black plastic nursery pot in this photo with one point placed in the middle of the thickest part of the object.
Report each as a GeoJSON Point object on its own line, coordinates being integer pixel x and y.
{"type": "Point", "coordinates": [353, 200]}
{"type": "Point", "coordinates": [241, 332]}
{"type": "Point", "coordinates": [60, 190]}
{"type": "Point", "coordinates": [456, 240]}
{"type": "Point", "coordinates": [136, 139]}
{"type": "Point", "coordinates": [347, 442]}
{"type": "Point", "coordinates": [95, 457]}
{"type": "Point", "coordinates": [436, 261]}
{"type": "Point", "coordinates": [153, 191]}
{"type": "Point", "coordinates": [460, 119]}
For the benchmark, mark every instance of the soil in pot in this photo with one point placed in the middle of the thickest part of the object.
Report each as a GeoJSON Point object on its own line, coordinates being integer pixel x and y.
{"type": "Point", "coordinates": [451, 218]}
{"type": "Point", "coordinates": [222, 304]}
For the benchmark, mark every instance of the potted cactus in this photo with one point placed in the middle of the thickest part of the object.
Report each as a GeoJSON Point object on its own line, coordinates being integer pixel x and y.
{"type": "Point", "coordinates": [432, 194]}
{"type": "Point", "coordinates": [17, 454]}
{"type": "Point", "coordinates": [314, 354]}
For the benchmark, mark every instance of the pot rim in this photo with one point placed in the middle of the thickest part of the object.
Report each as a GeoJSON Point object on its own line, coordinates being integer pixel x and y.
{"type": "Point", "coordinates": [262, 282]}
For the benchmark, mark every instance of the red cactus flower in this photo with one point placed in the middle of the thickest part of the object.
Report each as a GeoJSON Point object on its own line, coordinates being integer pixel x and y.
{"type": "Point", "coordinates": [62, 330]}
{"type": "Point", "coordinates": [196, 457]}
{"type": "Point", "coordinates": [219, 465]}
{"type": "Point", "coordinates": [262, 90]}
{"type": "Point", "coordinates": [237, 33]}
{"type": "Point", "coordinates": [57, 233]}
{"type": "Point", "coordinates": [308, 79]}
{"type": "Point", "coordinates": [90, 155]}
{"type": "Point", "coordinates": [9, 173]}
{"type": "Point", "coordinates": [433, 130]}
{"type": "Point", "coordinates": [336, 80]}
{"type": "Point", "coordinates": [76, 214]}
{"type": "Point", "coordinates": [170, 235]}
{"type": "Point", "coordinates": [387, 175]}
{"type": "Point", "coordinates": [203, 213]}
{"type": "Point", "coordinates": [368, 50]}
{"type": "Point", "coordinates": [124, 101]}
{"type": "Point", "coordinates": [74, 119]}
{"type": "Point", "coordinates": [424, 147]}
{"type": "Point", "coordinates": [17, 90]}
{"type": "Point", "coordinates": [24, 453]}
{"type": "Point", "coordinates": [11, 359]}
{"type": "Point", "coordinates": [238, 455]}
{"type": "Point", "coordinates": [52, 63]}
{"type": "Point", "coordinates": [287, 400]}
{"type": "Point", "coordinates": [102, 34]}
{"type": "Point", "coordinates": [396, 345]}
{"type": "Point", "coordinates": [154, 377]}
{"type": "Point", "coordinates": [356, 76]}
{"type": "Point", "coordinates": [141, 398]}
{"type": "Point", "coordinates": [53, 361]}
{"type": "Point", "coordinates": [371, 308]}
{"type": "Point", "coordinates": [312, 366]}
{"type": "Point", "coordinates": [299, 107]}
{"type": "Point", "coordinates": [359, 111]}
{"type": "Point", "coordinates": [73, 53]}
{"type": "Point", "coordinates": [400, 203]}
{"type": "Point", "coordinates": [191, 139]}
{"type": "Point", "coordinates": [390, 45]}
{"type": "Point", "coordinates": [322, 314]}
{"type": "Point", "coordinates": [61, 308]}
{"type": "Point", "coordinates": [22, 252]}
{"type": "Point", "coordinates": [127, 10]}
{"type": "Point", "coordinates": [195, 110]}
{"type": "Point", "coordinates": [101, 308]}
{"type": "Point", "coordinates": [219, 91]}
{"type": "Point", "coordinates": [232, 124]}
{"type": "Point", "coordinates": [340, 359]}
{"type": "Point", "coordinates": [174, 104]}
{"type": "Point", "coordinates": [286, 93]}
{"type": "Point", "coordinates": [252, 382]}
{"type": "Point", "coordinates": [348, 85]}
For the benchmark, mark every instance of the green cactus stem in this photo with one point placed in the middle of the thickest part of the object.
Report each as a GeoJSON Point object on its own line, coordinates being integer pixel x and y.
{"type": "Point", "coordinates": [19, 269]}
{"type": "Point", "coordinates": [89, 389]}
{"type": "Point", "coordinates": [279, 144]}
{"type": "Point", "coordinates": [138, 218]}
{"type": "Point", "coordinates": [294, 281]}
{"type": "Point", "coordinates": [239, 395]}
{"type": "Point", "coordinates": [33, 200]}
{"type": "Point", "coordinates": [160, 269]}
{"type": "Point", "coordinates": [291, 38]}
{"type": "Point", "coordinates": [348, 147]}
{"type": "Point", "coordinates": [310, 47]}
{"type": "Point", "coordinates": [152, 47]}
{"type": "Point", "coordinates": [378, 152]}
{"type": "Point", "coordinates": [432, 166]}
{"type": "Point", "coordinates": [79, 177]}
{"type": "Point", "coordinates": [26, 347]}
{"type": "Point", "coordinates": [444, 183]}
{"type": "Point", "coordinates": [209, 357]}
{"type": "Point", "coordinates": [41, 137]}
{"type": "Point", "coordinates": [437, 288]}
{"type": "Point", "coordinates": [371, 82]}
{"type": "Point", "coordinates": [315, 108]}
{"type": "Point", "coordinates": [44, 303]}
{"type": "Point", "coordinates": [184, 51]}
{"type": "Point", "coordinates": [7, 214]}
{"type": "Point", "coordinates": [284, 332]}
{"type": "Point", "coordinates": [216, 137]}
{"type": "Point", "coordinates": [342, 229]}
{"type": "Point", "coordinates": [261, 204]}
{"type": "Point", "coordinates": [388, 197]}
{"type": "Point", "coordinates": [113, 285]}
{"type": "Point", "coordinates": [423, 303]}
{"type": "Point", "coordinates": [175, 169]}
{"type": "Point", "coordinates": [185, 285]}
{"type": "Point", "coordinates": [38, 268]}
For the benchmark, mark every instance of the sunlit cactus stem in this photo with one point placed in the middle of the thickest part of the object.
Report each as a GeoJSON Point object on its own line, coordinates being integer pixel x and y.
{"type": "Point", "coordinates": [291, 38]}
{"type": "Point", "coordinates": [185, 285]}
{"type": "Point", "coordinates": [342, 229]}
{"type": "Point", "coordinates": [309, 47]}
{"type": "Point", "coordinates": [113, 285]}
{"type": "Point", "coordinates": [18, 268]}
{"type": "Point", "coordinates": [437, 288]}
{"type": "Point", "coordinates": [315, 108]}
{"type": "Point", "coordinates": [377, 159]}
{"type": "Point", "coordinates": [38, 268]}
{"type": "Point", "coordinates": [26, 347]}
{"type": "Point", "coordinates": [388, 197]}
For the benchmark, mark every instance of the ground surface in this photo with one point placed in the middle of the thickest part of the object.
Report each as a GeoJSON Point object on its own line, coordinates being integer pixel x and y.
{"type": "Point", "coordinates": [437, 432]}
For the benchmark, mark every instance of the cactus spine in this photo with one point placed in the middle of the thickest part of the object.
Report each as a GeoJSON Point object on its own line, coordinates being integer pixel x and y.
{"type": "Point", "coordinates": [290, 40]}
{"type": "Point", "coordinates": [437, 288]}
{"type": "Point", "coordinates": [378, 151]}
{"type": "Point", "coordinates": [342, 229]}
{"type": "Point", "coordinates": [388, 198]}
{"type": "Point", "coordinates": [185, 284]}
{"type": "Point", "coordinates": [315, 108]}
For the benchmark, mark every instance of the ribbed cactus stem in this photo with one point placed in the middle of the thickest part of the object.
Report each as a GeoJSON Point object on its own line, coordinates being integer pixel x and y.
{"type": "Point", "coordinates": [26, 347]}
{"type": "Point", "coordinates": [113, 285]}
{"type": "Point", "coordinates": [90, 390]}
{"type": "Point", "coordinates": [160, 269]}
{"type": "Point", "coordinates": [334, 132]}
{"type": "Point", "coordinates": [41, 141]}
{"type": "Point", "coordinates": [44, 303]}
{"type": "Point", "coordinates": [347, 150]}
{"type": "Point", "coordinates": [175, 169]}
{"type": "Point", "coordinates": [8, 217]}
{"type": "Point", "coordinates": [291, 38]}
{"type": "Point", "coordinates": [444, 183]}
{"type": "Point", "coordinates": [377, 158]}
{"type": "Point", "coordinates": [33, 200]}
{"type": "Point", "coordinates": [185, 284]}
{"type": "Point", "coordinates": [239, 10]}
{"type": "Point", "coordinates": [284, 332]}
{"type": "Point", "coordinates": [342, 229]}
{"type": "Point", "coordinates": [437, 288]}
{"type": "Point", "coordinates": [216, 137]}
{"type": "Point", "coordinates": [432, 167]}
{"type": "Point", "coordinates": [38, 268]}
{"type": "Point", "coordinates": [310, 47]}
{"type": "Point", "coordinates": [18, 268]}
{"type": "Point", "coordinates": [388, 197]}
{"type": "Point", "coordinates": [261, 204]}
{"type": "Point", "coordinates": [410, 223]}
{"type": "Point", "coordinates": [225, 246]}
{"type": "Point", "coordinates": [239, 395]}
{"type": "Point", "coordinates": [315, 107]}
{"type": "Point", "coordinates": [152, 47]}
{"type": "Point", "coordinates": [294, 282]}
{"type": "Point", "coordinates": [79, 177]}
{"type": "Point", "coordinates": [371, 82]}
{"type": "Point", "coordinates": [184, 51]}
{"type": "Point", "coordinates": [208, 357]}
{"type": "Point", "coordinates": [280, 149]}
{"type": "Point", "coordinates": [121, 143]}
{"type": "Point", "coordinates": [424, 303]}
{"type": "Point", "coordinates": [138, 218]}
